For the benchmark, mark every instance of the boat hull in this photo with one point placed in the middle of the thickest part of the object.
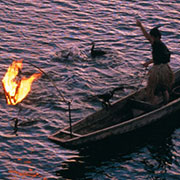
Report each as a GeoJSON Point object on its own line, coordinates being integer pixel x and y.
{"type": "Point", "coordinates": [80, 137]}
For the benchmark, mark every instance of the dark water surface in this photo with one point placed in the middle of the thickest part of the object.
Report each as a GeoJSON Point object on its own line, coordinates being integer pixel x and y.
{"type": "Point", "coordinates": [42, 33]}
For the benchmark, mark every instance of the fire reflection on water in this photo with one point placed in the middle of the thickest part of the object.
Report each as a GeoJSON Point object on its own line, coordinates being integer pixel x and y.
{"type": "Point", "coordinates": [25, 174]}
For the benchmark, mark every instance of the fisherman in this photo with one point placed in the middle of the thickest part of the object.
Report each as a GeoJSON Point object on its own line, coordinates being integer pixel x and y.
{"type": "Point", "coordinates": [161, 76]}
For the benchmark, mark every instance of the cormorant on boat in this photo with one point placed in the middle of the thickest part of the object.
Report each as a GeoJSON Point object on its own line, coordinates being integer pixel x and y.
{"type": "Point", "coordinates": [107, 96]}
{"type": "Point", "coordinates": [96, 52]}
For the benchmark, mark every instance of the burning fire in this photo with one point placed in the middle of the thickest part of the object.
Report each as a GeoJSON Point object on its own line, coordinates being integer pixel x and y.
{"type": "Point", "coordinates": [15, 87]}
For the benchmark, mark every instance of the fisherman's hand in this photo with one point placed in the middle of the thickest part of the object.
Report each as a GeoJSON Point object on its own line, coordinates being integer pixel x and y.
{"type": "Point", "coordinates": [146, 64]}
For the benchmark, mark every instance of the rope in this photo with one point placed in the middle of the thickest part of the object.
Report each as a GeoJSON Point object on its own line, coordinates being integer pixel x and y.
{"type": "Point", "coordinates": [63, 99]}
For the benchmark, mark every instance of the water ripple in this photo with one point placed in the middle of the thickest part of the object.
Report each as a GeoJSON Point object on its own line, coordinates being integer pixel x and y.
{"type": "Point", "coordinates": [37, 31]}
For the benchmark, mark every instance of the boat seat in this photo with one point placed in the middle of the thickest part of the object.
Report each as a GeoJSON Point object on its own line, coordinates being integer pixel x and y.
{"type": "Point", "coordinates": [142, 105]}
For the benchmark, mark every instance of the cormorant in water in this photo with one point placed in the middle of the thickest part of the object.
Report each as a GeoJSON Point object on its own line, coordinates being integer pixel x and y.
{"type": "Point", "coordinates": [15, 125]}
{"type": "Point", "coordinates": [96, 52]}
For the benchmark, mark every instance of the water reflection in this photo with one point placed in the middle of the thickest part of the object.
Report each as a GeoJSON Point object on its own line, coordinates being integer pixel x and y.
{"type": "Point", "coordinates": [151, 149]}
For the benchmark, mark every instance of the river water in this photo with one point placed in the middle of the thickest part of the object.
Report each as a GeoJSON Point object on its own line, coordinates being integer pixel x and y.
{"type": "Point", "coordinates": [43, 33]}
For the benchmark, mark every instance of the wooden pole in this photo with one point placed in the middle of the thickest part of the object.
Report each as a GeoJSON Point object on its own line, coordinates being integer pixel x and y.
{"type": "Point", "coordinates": [70, 120]}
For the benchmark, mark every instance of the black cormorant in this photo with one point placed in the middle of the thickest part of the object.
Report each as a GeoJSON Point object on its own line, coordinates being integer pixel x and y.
{"type": "Point", "coordinates": [96, 52]}
{"type": "Point", "coordinates": [107, 96]}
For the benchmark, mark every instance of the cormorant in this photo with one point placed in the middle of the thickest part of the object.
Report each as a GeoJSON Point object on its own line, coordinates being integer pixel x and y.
{"type": "Point", "coordinates": [96, 52]}
{"type": "Point", "coordinates": [107, 96]}
{"type": "Point", "coordinates": [16, 120]}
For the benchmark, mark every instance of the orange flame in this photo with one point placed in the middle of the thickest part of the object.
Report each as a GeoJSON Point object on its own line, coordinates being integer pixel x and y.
{"type": "Point", "coordinates": [17, 89]}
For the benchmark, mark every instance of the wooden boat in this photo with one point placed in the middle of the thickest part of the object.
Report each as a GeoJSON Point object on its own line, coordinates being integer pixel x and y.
{"type": "Point", "coordinates": [126, 115]}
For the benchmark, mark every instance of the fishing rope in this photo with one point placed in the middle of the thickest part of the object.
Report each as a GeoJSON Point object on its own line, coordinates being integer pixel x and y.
{"type": "Point", "coordinates": [63, 99]}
